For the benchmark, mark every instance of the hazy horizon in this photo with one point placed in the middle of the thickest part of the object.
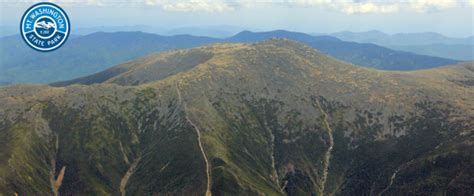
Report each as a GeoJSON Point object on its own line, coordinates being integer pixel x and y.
{"type": "Point", "coordinates": [11, 30]}
{"type": "Point", "coordinates": [447, 17]}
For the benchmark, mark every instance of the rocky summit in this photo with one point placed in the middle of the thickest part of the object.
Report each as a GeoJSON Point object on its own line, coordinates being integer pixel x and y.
{"type": "Point", "coordinates": [270, 118]}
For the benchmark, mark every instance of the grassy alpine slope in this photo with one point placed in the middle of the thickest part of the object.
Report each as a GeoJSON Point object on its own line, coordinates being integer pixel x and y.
{"type": "Point", "coordinates": [273, 118]}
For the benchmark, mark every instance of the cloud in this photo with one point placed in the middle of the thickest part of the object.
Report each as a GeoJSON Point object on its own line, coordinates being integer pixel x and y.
{"type": "Point", "coordinates": [373, 6]}
{"type": "Point", "coordinates": [192, 5]}
{"type": "Point", "coordinates": [369, 8]}
{"type": "Point", "coordinates": [432, 5]}
{"type": "Point", "coordinates": [343, 6]}
{"type": "Point", "coordinates": [78, 3]}
{"type": "Point", "coordinates": [379, 6]}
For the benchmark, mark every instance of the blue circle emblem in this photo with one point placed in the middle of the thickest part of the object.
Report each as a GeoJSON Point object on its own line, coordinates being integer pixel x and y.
{"type": "Point", "coordinates": [45, 27]}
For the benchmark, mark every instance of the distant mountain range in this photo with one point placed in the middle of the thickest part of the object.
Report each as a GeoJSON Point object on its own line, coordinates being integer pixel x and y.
{"type": "Point", "coordinates": [454, 51]}
{"type": "Point", "coordinates": [382, 38]}
{"type": "Point", "coordinates": [217, 31]}
{"type": "Point", "coordinates": [84, 55]}
{"type": "Point", "coordinates": [270, 118]}
{"type": "Point", "coordinates": [433, 44]}
{"type": "Point", "coordinates": [7, 30]}
{"type": "Point", "coordinates": [368, 55]}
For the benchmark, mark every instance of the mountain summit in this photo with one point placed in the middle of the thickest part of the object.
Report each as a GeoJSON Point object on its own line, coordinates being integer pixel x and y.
{"type": "Point", "coordinates": [275, 118]}
{"type": "Point", "coordinates": [85, 55]}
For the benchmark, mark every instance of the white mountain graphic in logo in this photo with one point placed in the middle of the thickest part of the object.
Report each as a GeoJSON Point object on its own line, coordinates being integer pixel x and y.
{"type": "Point", "coordinates": [45, 25]}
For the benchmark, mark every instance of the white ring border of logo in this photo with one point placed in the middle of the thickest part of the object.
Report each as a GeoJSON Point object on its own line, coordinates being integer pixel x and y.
{"type": "Point", "coordinates": [59, 9]}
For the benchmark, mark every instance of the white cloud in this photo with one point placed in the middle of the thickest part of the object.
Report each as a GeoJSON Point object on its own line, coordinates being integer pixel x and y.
{"type": "Point", "coordinates": [383, 6]}
{"type": "Point", "coordinates": [65, 2]}
{"type": "Point", "coordinates": [373, 6]}
{"type": "Point", "coordinates": [432, 5]}
{"type": "Point", "coordinates": [344, 6]}
{"type": "Point", "coordinates": [369, 8]}
{"type": "Point", "coordinates": [307, 2]}
{"type": "Point", "coordinates": [192, 5]}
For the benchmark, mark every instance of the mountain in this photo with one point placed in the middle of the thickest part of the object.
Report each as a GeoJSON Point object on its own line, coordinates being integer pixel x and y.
{"type": "Point", "coordinates": [248, 36]}
{"type": "Point", "coordinates": [367, 55]}
{"type": "Point", "coordinates": [8, 30]}
{"type": "Point", "coordinates": [463, 52]}
{"type": "Point", "coordinates": [217, 31]}
{"type": "Point", "coordinates": [431, 44]}
{"type": "Point", "coordinates": [85, 55]}
{"type": "Point", "coordinates": [381, 38]}
{"type": "Point", "coordinates": [270, 118]}
{"type": "Point", "coordinates": [113, 29]}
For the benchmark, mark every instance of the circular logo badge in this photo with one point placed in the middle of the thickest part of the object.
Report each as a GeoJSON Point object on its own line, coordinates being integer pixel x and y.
{"type": "Point", "coordinates": [45, 27]}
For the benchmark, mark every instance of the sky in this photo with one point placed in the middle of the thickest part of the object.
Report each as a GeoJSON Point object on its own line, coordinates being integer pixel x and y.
{"type": "Point", "coordinates": [452, 18]}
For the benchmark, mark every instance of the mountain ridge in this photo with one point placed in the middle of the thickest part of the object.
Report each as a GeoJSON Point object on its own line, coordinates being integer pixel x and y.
{"type": "Point", "coordinates": [428, 43]}
{"type": "Point", "coordinates": [381, 38]}
{"type": "Point", "coordinates": [84, 55]}
{"type": "Point", "coordinates": [265, 113]}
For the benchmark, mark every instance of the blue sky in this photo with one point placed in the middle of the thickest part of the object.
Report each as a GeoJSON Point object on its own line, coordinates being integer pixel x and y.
{"type": "Point", "coordinates": [449, 17]}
